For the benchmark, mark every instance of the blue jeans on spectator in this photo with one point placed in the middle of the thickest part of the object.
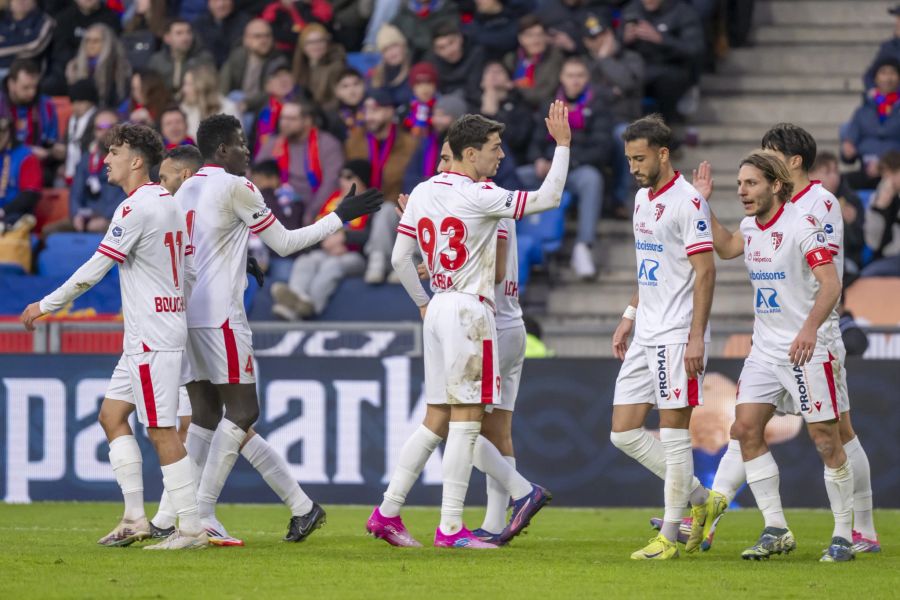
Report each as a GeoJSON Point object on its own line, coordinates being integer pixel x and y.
{"type": "Point", "coordinates": [888, 266]}
{"type": "Point", "coordinates": [586, 184]}
{"type": "Point", "coordinates": [279, 268]}
{"type": "Point", "coordinates": [620, 167]}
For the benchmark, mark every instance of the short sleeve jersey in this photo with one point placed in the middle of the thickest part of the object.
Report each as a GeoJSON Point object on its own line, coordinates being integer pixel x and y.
{"type": "Point", "coordinates": [669, 227]}
{"type": "Point", "coordinates": [454, 221]}
{"type": "Point", "coordinates": [509, 313]}
{"type": "Point", "coordinates": [221, 210]}
{"type": "Point", "coordinates": [780, 257]}
{"type": "Point", "coordinates": [148, 237]}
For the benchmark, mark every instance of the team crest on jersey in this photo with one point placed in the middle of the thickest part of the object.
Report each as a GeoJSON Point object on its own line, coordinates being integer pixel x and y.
{"type": "Point", "coordinates": [659, 210]}
{"type": "Point", "coordinates": [125, 210]}
{"type": "Point", "coordinates": [812, 220]}
{"type": "Point", "coordinates": [777, 238]}
{"type": "Point", "coordinates": [696, 203]}
{"type": "Point", "coordinates": [829, 204]}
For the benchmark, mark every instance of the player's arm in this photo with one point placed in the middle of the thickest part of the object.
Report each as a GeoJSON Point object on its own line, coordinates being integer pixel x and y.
{"type": "Point", "coordinates": [829, 293]}
{"type": "Point", "coordinates": [502, 250]}
{"type": "Point", "coordinates": [549, 195]}
{"type": "Point", "coordinates": [402, 260]}
{"type": "Point", "coordinates": [626, 325]}
{"type": "Point", "coordinates": [81, 281]}
{"type": "Point", "coordinates": [728, 245]}
{"type": "Point", "coordinates": [704, 283]}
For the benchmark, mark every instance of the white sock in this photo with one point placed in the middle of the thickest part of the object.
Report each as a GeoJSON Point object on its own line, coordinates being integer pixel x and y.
{"type": "Point", "coordinates": [679, 472]}
{"type": "Point", "coordinates": [497, 501]}
{"type": "Point", "coordinates": [165, 514]}
{"type": "Point", "coordinates": [275, 471]}
{"type": "Point", "coordinates": [178, 479]}
{"type": "Point", "coordinates": [223, 452]}
{"type": "Point", "coordinates": [489, 461]}
{"type": "Point", "coordinates": [413, 456]}
{"type": "Point", "coordinates": [730, 475]}
{"type": "Point", "coordinates": [197, 446]}
{"type": "Point", "coordinates": [764, 479]}
{"type": "Point", "coordinates": [457, 469]}
{"type": "Point", "coordinates": [649, 451]}
{"type": "Point", "coordinates": [839, 485]}
{"type": "Point", "coordinates": [862, 489]}
{"type": "Point", "coordinates": [127, 463]}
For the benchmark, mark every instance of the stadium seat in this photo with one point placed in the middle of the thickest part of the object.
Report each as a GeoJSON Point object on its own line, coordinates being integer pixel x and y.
{"type": "Point", "coordinates": [873, 300]}
{"type": "Point", "coordinates": [530, 255]}
{"type": "Point", "coordinates": [63, 107]}
{"type": "Point", "coordinates": [865, 196]}
{"type": "Point", "coordinates": [65, 252]}
{"type": "Point", "coordinates": [53, 206]}
{"type": "Point", "coordinates": [546, 227]}
{"type": "Point", "coordinates": [355, 300]}
{"type": "Point", "coordinates": [363, 61]}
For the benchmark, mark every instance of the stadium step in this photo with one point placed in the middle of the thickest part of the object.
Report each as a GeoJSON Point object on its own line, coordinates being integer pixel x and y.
{"type": "Point", "coordinates": [725, 83]}
{"type": "Point", "coordinates": [829, 108]}
{"type": "Point", "coordinates": [822, 12]}
{"type": "Point", "coordinates": [751, 133]}
{"type": "Point", "coordinates": [809, 59]}
{"type": "Point", "coordinates": [816, 34]}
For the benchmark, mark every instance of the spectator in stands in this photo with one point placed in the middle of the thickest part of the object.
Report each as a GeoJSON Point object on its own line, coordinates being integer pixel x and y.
{"type": "Point", "coordinates": [418, 20]}
{"type": "Point", "coordinates": [101, 58]}
{"type": "Point", "coordinates": [92, 199]}
{"type": "Point", "coordinates": [286, 205]}
{"type": "Point", "coordinates": [149, 97]}
{"type": "Point", "coordinates": [388, 148]}
{"type": "Point", "coordinates": [619, 74]}
{"type": "Point", "coordinates": [535, 64]}
{"type": "Point", "coordinates": [79, 134]}
{"type": "Point", "coordinates": [875, 126]}
{"type": "Point", "coordinates": [180, 52]}
{"type": "Point", "coordinates": [309, 159]}
{"type": "Point", "coordinates": [349, 22]}
{"type": "Point", "coordinates": [173, 127]}
{"type": "Point", "coordinates": [315, 275]}
{"type": "Point", "coordinates": [280, 88]}
{"type": "Point", "coordinates": [503, 102]}
{"type": "Point", "coordinates": [142, 29]}
{"type": "Point", "coordinates": [317, 63]}
{"type": "Point", "coordinates": [494, 27]}
{"type": "Point", "coordinates": [882, 221]}
{"type": "Point", "coordinates": [563, 19]}
{"type": "Point", "coordinates": [826, 169]}
{"type": "Point", "coordinates": [668, 34]}
{"type": "Point", "coordinates": [33, 115]}
{"type": "Point", "coordinates": [592, 147]}
{"type": "Point", "coordinates": [289, 18]}
{"type": "Point", "coordinates": [25, 32]}
{"type": "Point", "coordinates": [458, 61]}
{"type": "Point", "coordinates": [424, 161]}
{"type": "Point", "coordinates": [888, 49]}
{"type": "Point", "coordinates": [21, 180]}
{"type": "Point", "coordinates": [72, 25]}
{"type": "Point", "coordinates": [346, 112]}
{"type": "Point", "coordinates": [220, 29]}
{"type": "Point", "coordinates": [423, 79]}
{"type": "Point", "coordinates": [243, 76]}
{"type": "Point", "coordinates": [392, 72]}
{"type": "Point", "coordinates": [201, 98]}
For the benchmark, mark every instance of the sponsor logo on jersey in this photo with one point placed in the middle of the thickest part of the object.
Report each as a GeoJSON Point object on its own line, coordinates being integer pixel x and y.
{"type": "Point", "coordinates": [509, 199]}
{"type": "Point", "coordinates": [701, 226]}
{"type": "Point", "coordinates": [659, 211]}
{"type": "Point", "coordinates": [125, 210]}
{"type": "Point", "coordinates": [648, 246]}
{"type": "Point", "coordinates": [757, 257]}
{"type": "Point", "coordinates": [662, 373]}
{"type": "Point", "coordinates": [250, 186]}
{"type": "Point", "coordinates": [802, 392]}
{"type": "Point", "coordinates": [777, 238]}
{"type": "Point", "coordinates": [647, 272]}
{"type": "Point", "coordinates": [820, 237]}
{"type": "Point", "coordinates": [766, 275]}
{"type": "Point", "coordinates": [642, 228]}
{"type": "Point", "coordinates": [828, 205]}
{"type": "Point", "coordinates": [829, 228]}
{"type": "Point", "coordinates": [116, 234]}
{"type": "Point", "coordinates": [260, 214]}
{"type": "Point", "coordinates": [767, 301]}
{"type": "Point", "coordinates": [696, 203]}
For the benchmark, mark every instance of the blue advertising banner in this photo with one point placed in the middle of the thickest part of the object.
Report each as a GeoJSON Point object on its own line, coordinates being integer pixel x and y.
{"type": "Point", "coordinates": [340, 423]}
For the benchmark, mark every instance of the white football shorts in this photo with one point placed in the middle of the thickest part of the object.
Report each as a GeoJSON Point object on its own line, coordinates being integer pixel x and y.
{"type": "Point", "coordinates": [511, 351]}
{"type": "Point", "coordinates": [150, 382]}
{"type": "Point", "coordinates": [809, 391]}
{"type": "Point", "coordinates": [221, 355]}
{"type": "Point", "coordinates": [655, 375]}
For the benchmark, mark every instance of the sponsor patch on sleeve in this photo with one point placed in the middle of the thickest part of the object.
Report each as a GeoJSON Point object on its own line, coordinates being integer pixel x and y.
{"type": "Point", "coordinates": [115, 234]}
{"type": "Point", "coordinates": [702, 229]}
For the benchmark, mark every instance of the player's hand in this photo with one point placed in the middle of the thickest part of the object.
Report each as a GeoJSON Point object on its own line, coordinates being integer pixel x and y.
{"type": "Point", "coordinates": [31, 313]}
{"type": "Point", "coordinates": [422, 310]}
{"type": "Point", "coordinates": [422, 270]}
{"type": "Point", "coordinates": [620, 338]}
{"type": "Point", "coordinates": [803, 346]}
{"type": "Point", "coordinates": [402, 201]}
{"type": "Point", "coordinates": [703, 181]}
{"type": "Point", "coordinates": [254, 269]}
{"type": "Point", "coordinates": [558, 123]}
{"type": "Point", "coordinates": [693, 357]}
{"type": "Point", "coordinates": [353, 206]}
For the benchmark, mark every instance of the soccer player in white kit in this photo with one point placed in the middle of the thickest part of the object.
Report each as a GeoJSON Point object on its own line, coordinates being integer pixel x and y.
{"type": "Point", "coordinates": [664, 366]}
{"type": "Point", "coordinates": [147, 238]}
{"type": "Point", "coordinates": [452, 218]}
{"type": "Point", "coordinates": [795, 288]}
{"type": "Point", "coordinates": [222, 209]}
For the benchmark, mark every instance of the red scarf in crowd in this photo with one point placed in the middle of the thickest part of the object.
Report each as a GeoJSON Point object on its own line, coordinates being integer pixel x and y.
{"type": "Point", "coordinates": [312, 164]}
{"type": "Point", "coordinates": [379, 153]}
{"type": "Point", "coordinates": [885, 104]}
{"type": "Point", "coordinates": [525, 68]}
{"type": "Point", "coordinates": [577, 116]}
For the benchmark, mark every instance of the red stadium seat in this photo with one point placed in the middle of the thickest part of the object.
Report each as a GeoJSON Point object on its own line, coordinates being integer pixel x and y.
{"type": "Point", "coordinates": [63, 111]}
{"type": "Point", "coordinates": [53, 206]}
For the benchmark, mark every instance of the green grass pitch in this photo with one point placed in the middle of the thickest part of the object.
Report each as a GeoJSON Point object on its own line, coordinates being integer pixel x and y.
{"type": "Point", "coordinates": [49, 550]}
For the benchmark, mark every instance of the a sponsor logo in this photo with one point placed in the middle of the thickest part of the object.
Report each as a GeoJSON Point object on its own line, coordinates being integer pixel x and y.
{"type": "Point", "coordinates": [820, 237]}
{"type": "Point", "coordinates": [767, 301]}
{"type": "Point", "coordinates": [659, 211]}
{"type": "Point", "coordinates": [677, 392]}
{"type": "Point", "coordinates": [250, 186]}
{"type": "Point", "coordinates": [647, 246]}
{"type": "Point", "coordinates": [662, 373]}
{"type": "Point", "coordinates": [701, 226]}
{"type": "Point", "coordinates": [812, 220]}
{"type": "Point", "coordinates": [767, 275]}
{"type": "Point", "coordinates": [642, 228]}
{"type": "Point", "coordinates": [116, 234]}
{"type": "Point", "coordinates": [829, 228]}
{"type": "Point", "coordinates": [757, 257]}
{"type": "Point", "coordinates": [777, 238]}
{"type": "Point", "coordinates": [647, 272]}
{"type": "Point", "coordinates": [509, 199]}
{"type": "Point", "coordinates": [801, 388]}
{"type": "Point", "coordinates": [260, 214]}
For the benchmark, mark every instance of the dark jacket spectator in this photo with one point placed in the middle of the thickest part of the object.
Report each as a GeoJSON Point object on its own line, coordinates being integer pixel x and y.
{"type": "Point", "coordinates": [535, 64]}
{"type": "Point", "coordinates": [826, 169]}
{"type": "Point", "coordinates": [424, 161]}
{"type": "Point", "coordinates": [71, 25]}
{"type": "Point", "coordinates": [221, 31]}
{"type": "Point", "coordinates": [494, 28]}
{"type": "Point", "coordinates": [617, 70]}
{"type": "Point", "coordinates": [180, 52]}
{"type": "Point", "coordinates": [501, 101]}
{"type": "Point", "coordinates": [79, 128]}
{"type": "Point", "coordinates": [317, 63]}
{"type": "Point", "coordinates": [25, 32]}
{"type": "Point", "coordinates": [93, 198]}
{"type": "Point", "coordinates": [882, 221]}
{"type": "Point", "coordinates": [285, 203]}
{"type": "Point", "coordinates": [392, 72]}
{"type": "Point", "coordinates": [418, 20]}
{"type": "Point", "coordinates": [875, 126]}
{"type": "Point", "coordinates": [21, 174]}
{"type": "Point", "coordinates": [458, 61]}
{"type": "Point", "coordinates": [346, 113]}
{"type": "Point", "coordinates": [888, 49]}
{"type": "Point", "coordinates": [247, 67]}
{"type": "Point", "coordinates": [32, 115]}
{"type": "Point", "coordinates": [349, 22]}
{"type": "Point", "coordinates": [287, 20]}
{"type": "Point", "coordinates": [563, 19]}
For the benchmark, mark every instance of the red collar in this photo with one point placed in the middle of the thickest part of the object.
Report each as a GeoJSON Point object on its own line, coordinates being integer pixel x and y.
{"type": "Point", "coordinates": [139, 187]}
{"type": "Point", "coordinates": [212, 166]}
{"type": "Point", "coordinates": [458, 174]}
{"type": "Point", "coordinates": [771, 221]}
{"type": "Point", "coordinates": [663, 189]}
{"type": "Point", "coordinates": [799, 194]}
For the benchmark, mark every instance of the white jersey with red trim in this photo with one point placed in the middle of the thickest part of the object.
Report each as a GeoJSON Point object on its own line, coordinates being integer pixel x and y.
{"type": "Point", "coordinates": [669, 226]}
{"type": "Point", "coordinates": [780, 257]}
{"type": "Point", "coordinates": [454, 221]}
{"type": "Point", "coordinates": [222, 210]}
{"type": "Point", "coordinates": [509, 313]}
{"type": "Point", "coordinates": [148, 237]}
